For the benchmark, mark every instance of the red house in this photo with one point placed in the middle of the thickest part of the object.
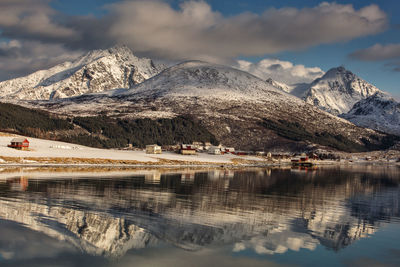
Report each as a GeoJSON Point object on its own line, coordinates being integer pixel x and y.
{"type": "Point", "coordinates": [19, 143]}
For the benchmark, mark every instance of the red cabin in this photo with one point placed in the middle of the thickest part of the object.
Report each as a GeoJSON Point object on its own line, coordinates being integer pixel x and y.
{"type": "Point", "coordinates": [19, 143]}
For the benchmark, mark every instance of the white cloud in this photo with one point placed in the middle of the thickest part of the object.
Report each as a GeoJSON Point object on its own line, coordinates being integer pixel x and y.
{"type": "Point", "coordinates": [281, 71]}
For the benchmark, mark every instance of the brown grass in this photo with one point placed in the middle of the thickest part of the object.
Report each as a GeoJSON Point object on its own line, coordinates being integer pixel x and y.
{"type": "Point", "coordinates": [6, 134]}
{"type": "Point", "coordinates": [246, 162]}
{"type": "Point", "coordinates": [97, 161]}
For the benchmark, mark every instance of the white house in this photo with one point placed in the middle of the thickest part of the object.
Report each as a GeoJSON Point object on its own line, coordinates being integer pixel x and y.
{"type": "Point", "coordinates": [153, 149]}
{"type": "Point", "coordinates": [215, 150]}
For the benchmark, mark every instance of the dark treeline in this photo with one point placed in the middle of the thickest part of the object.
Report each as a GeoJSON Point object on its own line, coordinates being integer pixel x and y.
{"type": "Point", "coordinates": [102, 131]}
{"type": "Point", "coordinates": [108, 132]}
{"type": "Point", "coordinates": [294, 131]}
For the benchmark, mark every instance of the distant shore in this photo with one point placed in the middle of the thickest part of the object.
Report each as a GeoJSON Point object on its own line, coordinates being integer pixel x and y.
{"type": "Point", "coordinates": [184, 164]}
{"type": "Point", "coordinates": [47, 153]}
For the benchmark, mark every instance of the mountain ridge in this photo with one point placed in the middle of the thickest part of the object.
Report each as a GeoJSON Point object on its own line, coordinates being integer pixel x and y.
{"type": "Point", "coordinates": [379, 112]}
{"type": "Point", "coordinates": [338, 90]}
{"type": "Point", "coordinates": [238, 108]}
{"type": "Point", "coordinates": [233, 105]}
{"type": "Point", "coordinates": [95, 71]}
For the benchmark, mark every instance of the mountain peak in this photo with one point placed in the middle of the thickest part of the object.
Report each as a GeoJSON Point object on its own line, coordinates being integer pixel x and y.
{"type": "Point", "coordinates": [95, 71]}
{"type": "Point", "coordinates": [338, 90]}
{"type": "Point", "coordinates": [120, 49]}
{"type": "Point", "coordinates": [338, 73]}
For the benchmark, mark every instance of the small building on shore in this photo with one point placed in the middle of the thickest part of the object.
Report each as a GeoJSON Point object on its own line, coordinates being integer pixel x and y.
{"type": "Point", "coordinates": [214, 150]}
{"type": "Point", "coordinates": [260, 153]}
{"type": "Point", "coordinates": [153, 149]}
{"type": "Point", "coordinates": [20, 143]}
{"type": "Point", "coordinates": [207, 145]}
{"type": "Point", "coordinates": [229, 150]}
{"type": "Point", "coordinates": [187, 149]}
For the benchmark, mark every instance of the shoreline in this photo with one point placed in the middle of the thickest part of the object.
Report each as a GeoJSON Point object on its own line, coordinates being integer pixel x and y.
{"type": "Point", "coordinates": [133, 166]}
{"type": "Point", "coordinates": [191, 164]}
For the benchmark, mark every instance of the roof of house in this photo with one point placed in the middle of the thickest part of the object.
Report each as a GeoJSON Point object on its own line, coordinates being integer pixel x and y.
{"type": "Point", "coordinates": [19, 140]}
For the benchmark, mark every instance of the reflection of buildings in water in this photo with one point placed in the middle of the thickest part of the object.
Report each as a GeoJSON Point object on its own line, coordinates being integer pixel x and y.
{"type": "Point", "coordinates": [152, 178]}
{"type": "Point", "coordinates": [187, 177]}
{"type": "Point", "coordinates": [18, 183]}
{"type": "Point", "coordinates": [255, 213]}
{"type": "Point", "coordinates": [220, 174]}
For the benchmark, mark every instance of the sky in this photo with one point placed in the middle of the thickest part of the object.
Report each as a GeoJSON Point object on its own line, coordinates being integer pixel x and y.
{"type": "Point", "coordinates": [292, 41]}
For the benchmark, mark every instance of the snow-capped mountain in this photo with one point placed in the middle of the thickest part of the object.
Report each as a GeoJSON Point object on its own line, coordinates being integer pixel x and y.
{"type": "Point", "coordinates": [202, 79]}
{"type": "Point", "coordinates": [379, 112]}
{"type": "Point", "coordinates": [96, 71]}
{"type": "Point", "coordinates": [338, 90]}
{"type": "Point", "coordinates": [238, 108]}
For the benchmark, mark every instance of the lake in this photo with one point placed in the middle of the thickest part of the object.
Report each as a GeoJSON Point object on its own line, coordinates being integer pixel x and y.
{"type": "Point", "coordinates": [330, 216]}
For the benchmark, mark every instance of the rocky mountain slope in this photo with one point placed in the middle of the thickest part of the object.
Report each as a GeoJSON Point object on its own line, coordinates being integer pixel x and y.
{"type": "Point", "coordinates": [96, 71]}
{"type": "Point", "coordinates": [379, 112]}
{"type": "Point", "coordinates": [338, 90]}
{"type": "Point", "coordinates": [238, 108]}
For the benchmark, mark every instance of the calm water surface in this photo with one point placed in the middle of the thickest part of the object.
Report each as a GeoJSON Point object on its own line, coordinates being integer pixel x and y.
{"type": "Point", "coordinates": [347, 216]}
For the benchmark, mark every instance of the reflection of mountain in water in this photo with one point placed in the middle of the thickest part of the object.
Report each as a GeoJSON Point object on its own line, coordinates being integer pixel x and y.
{"type": "Point", "coordinates": [268, 211]}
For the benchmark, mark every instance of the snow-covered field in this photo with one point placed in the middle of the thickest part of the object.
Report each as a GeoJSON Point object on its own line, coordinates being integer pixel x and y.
{"type": "Point", "coordinates": [40, 148]}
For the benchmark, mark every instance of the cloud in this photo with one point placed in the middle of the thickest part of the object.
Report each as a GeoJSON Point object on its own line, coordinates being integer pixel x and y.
{"type": "Point", "coordinates": [378, 52]}
{"type": "Point", "coordinates": [32, 19]}
{"type": "Point", "coordinates": [193, 31]}
{"type": "Point", "coordinates": [281, 71]}
{"type": "Point", "coordinates": [23, 57]}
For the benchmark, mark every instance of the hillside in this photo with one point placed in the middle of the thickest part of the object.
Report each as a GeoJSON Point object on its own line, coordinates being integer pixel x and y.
{"type": "Point", "coordinates": [233, 105]}
{"type": "Point", "coordinates": [102, 132]}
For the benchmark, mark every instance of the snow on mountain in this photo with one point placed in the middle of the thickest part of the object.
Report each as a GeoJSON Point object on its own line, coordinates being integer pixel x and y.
{"type": "Point", "coordinates": [297, 90]}
{"type": "Point", "coordinates": [338, 90]}
{"type": "Point", "coordinates": [96, 71]}
{"type": "Point", "coordinates": [202, 79]}
{"type": "Point", "coordinates": [232, 104]}
{"type": "Point", "coordinates": [284, 87]}
{"type": "Point", "coordinates": [379, 112]}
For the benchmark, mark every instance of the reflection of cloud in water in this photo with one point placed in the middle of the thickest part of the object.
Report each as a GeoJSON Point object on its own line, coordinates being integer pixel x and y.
{"type": "Point", "coordinates": [19, 242]}
{"type": "Point", "coordinates": [277, 242]}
